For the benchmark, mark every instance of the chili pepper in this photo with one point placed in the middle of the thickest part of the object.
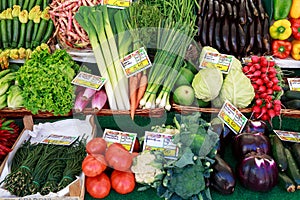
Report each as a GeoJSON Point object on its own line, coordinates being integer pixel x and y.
{"type": "Point", "coordinates": [281, 8]}
{"type": "Point", "coordinates": [4, 148]}
{"type": "Point", "coordinates": [294, 11]}
{"type": "Point", "coordinates": [281, 48]}
{"type": "Point", "coordinates": [296, 49]}
{"type": "Point", "coordinates": [295, 28]}
{"type": "Point", "coordinates": [281, 29]}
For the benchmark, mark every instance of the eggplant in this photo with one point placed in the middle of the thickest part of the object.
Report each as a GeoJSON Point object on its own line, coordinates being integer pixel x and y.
{"type": "Point", "coordinates": [225, 34]}
{"type": "Point", "coordinates": [210, 9]}
{"type": "Point", "coordinates": [242, 12]}
{"type": "Point", "coordinates": [217, 9]}
{"type": "Point", "coordinates": [266, 36]}
{"type": "Point", "coordinates": [210, 33]}
{"type": "Point", "coordinates": [217, 40]}
{"type": "Point", "coordinates": [258, 34]}
{"type": "Point", "coordinates": [253, 8]}
{"type": "Point", "coordinates": [222, 10]}
{"type": "Point", "coordinates": [251, 37]}
{"type": "Point", "coordinates": [258, 172]}
{"type": "Point", "coordinates": [229, 9]}
{"type": "Point", "coordinates": [222, 178]}
{"type": "Point", "coordinates": [248, 12]}
{"type": "Point", "coordinates": [203, 31]}
{"type": "Point", "coordinates": [260, 9]}
{"type": "Point", "coordinates": [233, 39]}
{"type": "Point", "coordinates": [255, 126]}
{"type": "Point", "coordinates": [245, 143]}
{"type": "Point", "coordinates": [241, 39]}
{"type": "Point", "coordinates": [234, 12]}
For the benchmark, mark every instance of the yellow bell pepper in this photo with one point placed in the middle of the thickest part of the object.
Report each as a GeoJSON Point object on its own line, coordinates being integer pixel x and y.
{"type": "Point", "coordinates": [296, 49]}
{"type": "Point", "coordinates": [295, 9]}
{"type": "Point", "coordinates": [281, 29]}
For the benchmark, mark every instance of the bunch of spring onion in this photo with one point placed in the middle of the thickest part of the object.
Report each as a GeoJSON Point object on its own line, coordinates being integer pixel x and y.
{"type": "Point", "coordinates": [175, 33]}
{"type": "Point", "coordinates": [96, 22]}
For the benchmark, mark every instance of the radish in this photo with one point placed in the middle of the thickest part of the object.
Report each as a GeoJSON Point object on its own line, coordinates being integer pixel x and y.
{"type": "Point", "coordinates": [263, 69]}
{"type": "Point", "coordinates": [271, 113]}
{"type": "Point", "coordinates": [269, 91]}
{"type": "Point", "coordinates": [275, 80]}
{"type": "Point", "coordinates": [262, 89]}
{"type": "Point", "coordinates": [263, 61]}
{"type": "Point", "coordinates": [255, 59]}
{"type": "Point", "coordinates": [257, 66]}
{"type": "Point", "coordinates": [277, 107]}
{"type": "Point", "coordinates": [259, 81]}
{"type": "Point", "coordinates": [269, 84]}
{"type": "Point", "coordinates": [255, 86]}
{"type": "Point", "coordinates": [277, 102]}
{"type": "Point", "coordinates": [258, 102]}
{"type": "Point", "coordinates": [265, 117]}
{"type": "Point", "coordinates": [269, 105]}
{"type": "Point", "coordinates": [256, 109]}
{"type": "Point", "coordinates": [276, 88]}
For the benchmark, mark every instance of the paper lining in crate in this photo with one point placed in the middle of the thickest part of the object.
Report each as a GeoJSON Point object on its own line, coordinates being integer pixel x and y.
{"type": "Point", "coordinates": [36, 133]}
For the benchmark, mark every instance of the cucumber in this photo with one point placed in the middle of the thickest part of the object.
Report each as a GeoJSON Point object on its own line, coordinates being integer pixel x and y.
{"type": "Point", "coordinates": [293, 104]}
{"type": "Point", "coordinates": [279, 153]}
{"type": "Point", "coordinates": [296, 153]}
{"type": "Point", "coordinates": [292, 94]}
{"type": "Point", "coordinates": [286, 182]}
{"type": "Point", "coordinates": [292, 169]}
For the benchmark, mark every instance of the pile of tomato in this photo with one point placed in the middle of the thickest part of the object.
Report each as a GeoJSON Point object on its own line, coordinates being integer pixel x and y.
{"type": "Point", "coordinates": [107, 167]}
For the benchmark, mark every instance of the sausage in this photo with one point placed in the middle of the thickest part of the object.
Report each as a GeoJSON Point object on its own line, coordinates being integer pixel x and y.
{"type": "Point", "coordinates": [242, 12]}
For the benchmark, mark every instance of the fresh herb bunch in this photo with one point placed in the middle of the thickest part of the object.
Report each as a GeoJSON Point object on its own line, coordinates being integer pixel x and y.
{"type": "Point", "coordinates": [46, 82]}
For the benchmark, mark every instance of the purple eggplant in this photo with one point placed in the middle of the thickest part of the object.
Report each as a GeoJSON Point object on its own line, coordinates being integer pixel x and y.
{"type": "Point", "coordinates": [258, 172]}
{"type": "Point", "coordinates": [255, 126]}
{"type": "Point", "coordinates": [246, 142]}
{"type": "Point", "coordinates": [222, 177]}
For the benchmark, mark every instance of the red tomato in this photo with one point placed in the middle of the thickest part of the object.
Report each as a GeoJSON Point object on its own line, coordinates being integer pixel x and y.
{"type": "Point", "coordinates": [118, 157]}
{"type": "Point", "coordinates": [98, 186]}
{"type": "Point", "coordinates": [93, 165]}
{"type": "Point", "coordinates": [96, 146]}
{"type": "Point", "coordinates": [122, 182]}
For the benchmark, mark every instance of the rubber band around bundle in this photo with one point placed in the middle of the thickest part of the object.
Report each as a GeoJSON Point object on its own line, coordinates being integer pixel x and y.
{"type": "Point", "coordinates": [150, 92]}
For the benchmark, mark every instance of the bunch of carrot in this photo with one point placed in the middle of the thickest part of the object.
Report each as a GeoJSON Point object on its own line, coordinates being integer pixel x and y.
{"type": "Point", "coordinates": [137, 87]}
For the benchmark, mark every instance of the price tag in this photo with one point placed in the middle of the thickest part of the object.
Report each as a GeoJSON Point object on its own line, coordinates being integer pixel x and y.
{"type": "Point", "coordinates": [89, 80]}
{"type": "Point", "coordinates": [161, 142]}
{"type": "Point", "coordinates": [118, 3]}
{"type": "Point", "coordinates": [232, 117]}
{"type": "Point", "coordinates": [124, 138]}
{"type": "Point", "coordinates": [248, 59]}
{"type": "Point", "coordinates": [294, 84]}
{"type": "Point", "coordinates": [222, 61]}
{"type": "Point", "coordinates": [289, 136]}
{"type": "Point", "coordinates": [59, 140]}
{"type": "Point", "coordinates": [136, 62]}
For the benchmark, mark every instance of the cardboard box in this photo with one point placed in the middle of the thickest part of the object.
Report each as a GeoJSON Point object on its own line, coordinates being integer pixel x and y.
{"type": "Point", "coordinates": [76, 189]}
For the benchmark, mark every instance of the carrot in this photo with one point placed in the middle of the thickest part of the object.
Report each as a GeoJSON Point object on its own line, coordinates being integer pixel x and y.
{"type": "Point", "coordinates": [142, 88]}
{"type": "Point", "coordinates": [133, 87]}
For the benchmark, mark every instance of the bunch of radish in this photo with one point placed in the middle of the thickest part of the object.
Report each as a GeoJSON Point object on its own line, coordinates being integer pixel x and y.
{"type": "Point", "coordinates": [266, 80]}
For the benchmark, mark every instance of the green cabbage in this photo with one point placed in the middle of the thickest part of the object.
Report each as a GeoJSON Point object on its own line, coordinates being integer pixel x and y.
{"type": "Point", "coordinates": [207, 84]}
{"type": "Point", "coordinates": [237, 89]}
{"type": "Point", "coordinates": [14, 97]}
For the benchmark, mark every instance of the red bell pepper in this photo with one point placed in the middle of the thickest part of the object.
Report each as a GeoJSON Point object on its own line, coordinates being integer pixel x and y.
{"type": "Point", "coordinates": [295, 24]}
{"type": "Point", "coordinates": [281, 48]}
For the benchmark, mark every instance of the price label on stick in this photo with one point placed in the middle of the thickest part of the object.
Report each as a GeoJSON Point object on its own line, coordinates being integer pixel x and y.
{"type": "Point", "coordinates": [221, 61]}
{"type": "Point", "coordinates": [125, 138]}
{"type": "Point", "coordinates": [136, 62]}
{"type": "Point", "coordinates": [161, 142]}
{"type": "Point", "coordinates": [232, 117]}
{"type": "Point", "coordinates": [294, 84]}
{"type": "Point", "coordinates": [117, 3]}
{"type": "Point", "coordinates": [89, 80]}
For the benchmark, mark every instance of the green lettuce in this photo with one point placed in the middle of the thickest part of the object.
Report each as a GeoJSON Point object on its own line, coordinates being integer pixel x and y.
{"type": "Point", "coordinates": [237, 89]}
{"type": "Point", "coordinates": [207, 84]}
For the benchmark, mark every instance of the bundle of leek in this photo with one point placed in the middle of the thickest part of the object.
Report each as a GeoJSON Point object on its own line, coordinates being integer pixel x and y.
{"type": "Point", "coordinates": [95, 21]}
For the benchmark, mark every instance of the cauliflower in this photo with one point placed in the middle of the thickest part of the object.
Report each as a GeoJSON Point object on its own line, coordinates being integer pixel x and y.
{"type": "Point", "coordinates": [148, 168]}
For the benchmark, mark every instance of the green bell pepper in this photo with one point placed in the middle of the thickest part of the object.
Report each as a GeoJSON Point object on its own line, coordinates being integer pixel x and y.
{"type": "Point", "coordinates": [282, 8]}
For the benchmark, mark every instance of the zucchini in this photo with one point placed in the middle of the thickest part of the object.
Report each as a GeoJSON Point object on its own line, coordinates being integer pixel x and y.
{"type": "Point", "coordinates": [286, 182]}
{"type": "Point", "coordinates": [293, 104]}
{"type": "Point", "coordinates": [292, 169]}
{"type": "Point", "coordinates": [279, 153]}
{"type": "Point", "coordinates": [292, 94]}
{"type": "Point", "coordinates": [296, 153]}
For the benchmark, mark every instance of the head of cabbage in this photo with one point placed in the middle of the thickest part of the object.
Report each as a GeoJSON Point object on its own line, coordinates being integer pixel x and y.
{"type": "Point", "coordinates": [207, 84]}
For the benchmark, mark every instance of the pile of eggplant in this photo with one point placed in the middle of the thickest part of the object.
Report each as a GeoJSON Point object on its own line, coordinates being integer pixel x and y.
{"type": "Point", "coordinates": [236, 27]}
